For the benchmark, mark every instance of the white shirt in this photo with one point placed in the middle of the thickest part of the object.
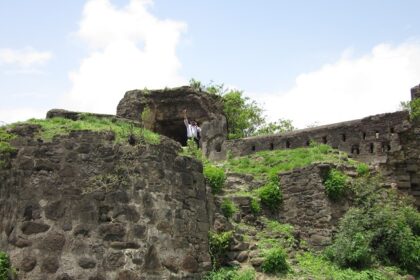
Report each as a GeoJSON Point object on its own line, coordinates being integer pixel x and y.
{"type": "Point", "coordinates": [192, 130]}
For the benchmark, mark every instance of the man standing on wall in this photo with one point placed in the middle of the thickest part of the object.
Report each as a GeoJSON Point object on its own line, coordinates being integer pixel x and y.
{"type": "Point", "coordinates": [193, 130]}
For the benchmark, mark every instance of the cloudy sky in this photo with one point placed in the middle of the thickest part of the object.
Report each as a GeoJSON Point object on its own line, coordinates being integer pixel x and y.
{"type": "Point", "coordinates": [310, 61]}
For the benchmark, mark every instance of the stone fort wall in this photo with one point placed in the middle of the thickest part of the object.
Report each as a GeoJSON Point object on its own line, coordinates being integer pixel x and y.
{"type": "Point", "coordinates": [369, 139]}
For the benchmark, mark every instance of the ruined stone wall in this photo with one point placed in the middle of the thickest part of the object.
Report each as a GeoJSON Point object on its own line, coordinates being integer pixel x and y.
{"type": "Point", "coordinates": [307, 207]}
{"type": "Point", "coordinates": [166, 108]}
{"type": "Point", "coordinates": [368, 139]}
{"type": "Point", "coordinates": [83, 207]}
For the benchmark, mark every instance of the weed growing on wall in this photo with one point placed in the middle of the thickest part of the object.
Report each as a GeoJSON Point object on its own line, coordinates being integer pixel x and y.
{"type": "Point", "coordinates": [6, 150]}
{"type": "Point", "coordinates": [215, 177]}
{"type": "Point", "coordinates": [362, 169]}
{"type": "Point", "coordinates": [5, 267]}
{"type": "Point", "coordinates": [270, 195]}
{"type": "Point", "coordinates": [228, 208]}
{"type": "Point", "coordinates": [218, 245]}
{"type": "Point", "coordinates": [255, 206]}
{"type": "Point", "coordinates": [335, 184]}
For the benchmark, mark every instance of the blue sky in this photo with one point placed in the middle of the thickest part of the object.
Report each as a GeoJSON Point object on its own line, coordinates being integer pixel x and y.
{"type": "Point", "coordinates": [309, 61]}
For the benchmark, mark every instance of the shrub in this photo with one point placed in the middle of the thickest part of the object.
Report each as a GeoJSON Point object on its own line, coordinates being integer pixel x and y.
{"type": "Point", "coordinates": [228, 208]}
{"type": "Point", "coordinates": [215, 177]}
{"type": "Point", "coordinates": [381, 227]}
{"type": "Point", "coordinates": [255, 206]}
{"type": "Point", "coordinates": [5, 268]}
{"type": "Point", "coordinates": [335, 184]}
{"type": "Point", "coordinates": [218, 246]}
{"type": "Point", "coordinates": [274, 261]}
{"type": "Point", "coordinates": [362, 169]}
{"type": "Point", "coordinates": [415, 109]}
{"type": "Point", "coordinates": [270, 195]}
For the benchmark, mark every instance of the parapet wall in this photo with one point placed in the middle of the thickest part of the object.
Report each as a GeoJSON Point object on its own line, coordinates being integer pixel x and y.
{"type": "Point", "coordinates": [369, 139]}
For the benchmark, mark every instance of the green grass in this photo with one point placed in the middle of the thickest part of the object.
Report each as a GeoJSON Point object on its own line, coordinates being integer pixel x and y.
{"type": "Point", "coordinates": [231, 274]}
{"type": "Point", "coordinates": [267, 164]}
{"type": "Point", "coordinates": [316, 267]}
{"type": "Point", "coordinates": [61, 126]}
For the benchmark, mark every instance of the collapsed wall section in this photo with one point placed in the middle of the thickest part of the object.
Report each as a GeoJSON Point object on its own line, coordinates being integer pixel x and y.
{"type": "Point", "coordinates": [84, 207]}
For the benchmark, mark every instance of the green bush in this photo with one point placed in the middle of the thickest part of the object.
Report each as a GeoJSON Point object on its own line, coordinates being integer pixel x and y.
{"type": "Point", "coordinates": [255, 206]}
{"type": "Point", "coordinates": [380, 228]}
{"type": "Point", "coordinates": [5, 268]}
{"type": "Point", "coordinates": [415, 109]}
{"type": "Point", "coordinates": [274, 261]}
{"type": "Point", "coordinates": [218, 245]}
{"type": "Point", "coordinates": [270, 195]}
{"type": "Point", "coordinates": [335, 184]}
{"type": "Point", "coordinates": [228, 208]}
{"type": "Point", "coordinates": [215, 176]}
{"type": "Point", "coordinates": [362, 169]}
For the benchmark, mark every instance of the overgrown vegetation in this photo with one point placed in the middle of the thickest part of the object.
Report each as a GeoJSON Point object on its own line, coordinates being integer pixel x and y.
{"type": "Point", "coordinates": [274, 260]}
{"type": "Point", "coordinates": [231, 273]}
{"type": "Point", "coordinates": [122, 130]}
{"type": "Point", "coordinates": [268, 164]}
{"type": "Point", "coordinates": [255, 206]}
{"type": "Point", "coordinates": [413, 107]}
{"type": "Point", "coordinates": [382, 228]}
{"type": "Point", "coordinates": [244, 116]}
{"type": "Point", "coordinates": [270, 195]}
{"type": "Point", "coordinates": [228, 208]}
{"type": "Point", "coordinates": [215, 176]}
{"type": "Point", "coordinates": [5, 266]}
{"type": "Point", "coordinates": [6, 150]}
{"type": "Point", "coordinates": [218, 246]}
{"type": "Point", "coordinates": [316, 267]}
{"type": "Point", "coordinates": [335, 184]}
{"type": "Point", "coordinates": [362, 169]}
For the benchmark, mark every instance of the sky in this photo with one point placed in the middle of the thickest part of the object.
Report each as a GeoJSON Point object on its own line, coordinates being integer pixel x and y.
{"type": "Point", "coordinates": [314, 62]}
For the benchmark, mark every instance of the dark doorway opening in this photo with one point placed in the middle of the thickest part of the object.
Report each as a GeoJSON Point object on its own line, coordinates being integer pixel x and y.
{"type": "Point", "coordinates": [173, 129]}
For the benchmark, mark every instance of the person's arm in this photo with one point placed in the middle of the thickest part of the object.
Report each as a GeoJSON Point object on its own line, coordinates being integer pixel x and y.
{"type": "Point", "coordinates": [185, 118]}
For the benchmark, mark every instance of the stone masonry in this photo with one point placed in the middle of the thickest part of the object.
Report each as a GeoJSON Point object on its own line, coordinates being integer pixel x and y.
{"type": "Point", "coordinates": [307, 207]}
{"type": "Point", "coordinates": [84, 207]}
{"type": "Point", "coordinates": [166, 108]}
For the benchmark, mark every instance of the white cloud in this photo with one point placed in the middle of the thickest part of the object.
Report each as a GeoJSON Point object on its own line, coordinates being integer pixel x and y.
{"type": "Point", "coordinates": [24, 58]}
{"type": "Point", "coordinates": [350, 88]}
{"type": "Point", "coordinates": [20, 114]}
{"type": "Point", "coordinates": [129, 48]}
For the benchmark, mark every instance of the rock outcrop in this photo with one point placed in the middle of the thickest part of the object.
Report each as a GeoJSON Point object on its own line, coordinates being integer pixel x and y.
{"type": "Point", "coordinates": [85, 207]}
{"type": "Point", "coordinates": [166, 108]}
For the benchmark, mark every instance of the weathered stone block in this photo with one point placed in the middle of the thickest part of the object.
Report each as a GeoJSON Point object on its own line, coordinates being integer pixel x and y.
{"type": "Point", "coordinates": [34, 227]}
